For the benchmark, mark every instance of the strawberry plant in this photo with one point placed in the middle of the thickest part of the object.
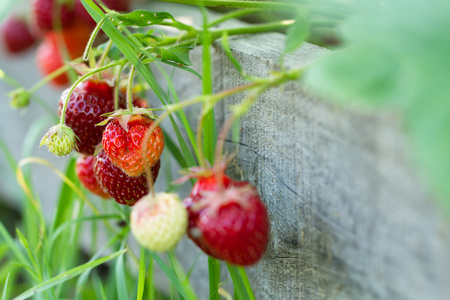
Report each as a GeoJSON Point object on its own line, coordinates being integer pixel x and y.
{"type": "Point", "coordinates": [117, 141]}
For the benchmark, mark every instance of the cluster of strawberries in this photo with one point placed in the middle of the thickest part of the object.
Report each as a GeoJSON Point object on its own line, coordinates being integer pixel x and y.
{"type": "Point", "coordinates": [63, 30]}
{"type": "Point", "coordinates": [119, 150]}
{"type": "Point", "coordinates": [225, 218]}
{"type": "Point", "coordinates": [118, 169]}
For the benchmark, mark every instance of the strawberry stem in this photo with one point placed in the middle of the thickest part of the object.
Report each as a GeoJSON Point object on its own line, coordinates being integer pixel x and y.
{"type": "Point", "coordinates": [116, 87]}
{"type": "Point", "coordinates": [92, 38]}
{"type": "Point", "coordinates": [130, 89]}
{"type": "Point", "coordinates": [104, 54]}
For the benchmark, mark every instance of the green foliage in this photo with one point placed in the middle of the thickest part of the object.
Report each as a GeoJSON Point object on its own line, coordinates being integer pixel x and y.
{"type": "Point", "coordinates": [395, 55]}
{"type": "Point", "coordinates": [50, 254]}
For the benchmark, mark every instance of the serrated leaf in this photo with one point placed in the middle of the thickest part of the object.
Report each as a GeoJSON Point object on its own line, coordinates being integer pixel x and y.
{"type": "Point", "coordinates": [140, 18]}
{"type": "Point", "coordinates": [297, 33]}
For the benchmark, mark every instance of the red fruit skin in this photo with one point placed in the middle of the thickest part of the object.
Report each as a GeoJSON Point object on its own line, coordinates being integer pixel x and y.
{"type": "Point", "coordinates": [124, 148]}
{"type": "Point", "coordinates": [238, 231]}
{"type": "Point", "coordinates": [123, 188]}
{"type": "Point", "coordinates": [16, 35]}
{"type": "Point", "coordinates": [117, 5]}
{"type": "Point", "coordinates": [210, 184]}
{"type": "Point", "coordinates": [84, 169]}
{"type": "Point", "coordinates": [87, 103]}
{"type": "Point", "coordinates": [48, 55]}
{"type": "Point", "coordinates": [43, 12]}
{"type": "Point", "coordinates": [48, 60]}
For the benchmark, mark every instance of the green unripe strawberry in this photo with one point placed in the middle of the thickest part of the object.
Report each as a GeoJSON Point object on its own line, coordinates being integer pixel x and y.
{"type": "Point", "coordinates": [60, 140]}
{"type": "Point", "coordinates": [158, 222]}
{"type": "Point", "coordinates": [19, 98]}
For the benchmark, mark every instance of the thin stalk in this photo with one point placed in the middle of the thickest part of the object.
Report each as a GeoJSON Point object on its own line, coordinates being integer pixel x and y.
{"type": "Point", "coordinates": [232, 15]}
{"type": "Point", "coordinates": [116, 87]}
{"type": "Point", "coordinates": [51, 76]}
{"type": "Point", "coordinates": [92, 38]}
{"type": "Point", "coordinates": [268, 5]}
{"type": "Point", "coordinates": [130, 89]}
{"type": "Point", "coordinates": [101, 61]}
{"type": "Point", "coordinates": [209, 123]}
{"type": "Point", "coordinates": [215, 34]}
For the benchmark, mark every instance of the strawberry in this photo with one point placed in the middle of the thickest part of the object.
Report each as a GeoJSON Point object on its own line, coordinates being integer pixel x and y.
{"type": "Point", "coordinates": [84, 168]}
{"type": "Point", "coordinates": [130, 145]}
{"type": "Point", "coordinates": [45, 13]}
{"type": "Point", "coordinates": [48, 54]}
{"type": "Point", "coordinates": [158, 222]}
{"type": "Point", "coordinates": [48, 60]}
{"type": "Point", "coordinates": [88, 102]}
{"type": "Point", "coordinates": [207, 182]}
{"type": "Point", "coordinates": [233, 223]}
{"type": "Point", "coordinates": [117, 5]}
{"type": "Point", "coordinates": [123, 188]}
{"type": "Point", "coordinates": [60, 140]}
{"type": "Point", "coordinates": [16, 35]}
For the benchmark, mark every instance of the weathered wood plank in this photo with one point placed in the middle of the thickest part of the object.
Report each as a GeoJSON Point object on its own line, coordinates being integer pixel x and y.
{"type": "Point", "coordinates": [350, 218]}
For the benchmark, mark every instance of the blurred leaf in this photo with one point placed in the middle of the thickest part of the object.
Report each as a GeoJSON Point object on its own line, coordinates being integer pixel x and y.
{"type": "Point", "coordinates": [121, 285]}
{"type": "Point", "coordinates": [181, 287]}
{"type": "Point", "coordinates": [297, 33]}
{"type": "Point", "coordinates": [141, 277]}
{"type": "Point", "coordinates": [67, 275]}
{"type": "Point", "coordinates": [141, 18]}
{"type": "Point", "coordinates": [395, 55]}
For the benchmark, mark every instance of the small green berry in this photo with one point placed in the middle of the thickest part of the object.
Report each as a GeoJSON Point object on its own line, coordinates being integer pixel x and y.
{"type": "Point", "coordinates": [60, 140]}
{"type": "Point", "coordinates": [19, 98]}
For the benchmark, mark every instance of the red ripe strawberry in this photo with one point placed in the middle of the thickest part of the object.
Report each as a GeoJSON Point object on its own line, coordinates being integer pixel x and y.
{"type": "Point", "coordinates": [16, 35]}
{"type": "Point", "coordinates": [87, 103]}
{"type": "Point", "coordinates": [117, 5]}
{"type": "Point", "coordinates": [123, 188]}
{"type": "Point", "coordinates": [206, 183]}
{"type": "Point", "coordinates": [126, 138]}
{"type": "Point", "coordinates": [84, 168]}
{"type": "Point", "coordinates": [48, 60]}
{"type": "Point", "coordinates": [44, 11]}
{"type": "Point", "coordinates": [48, 55]}
{"type": "Point", "coordinates": [234, 224]}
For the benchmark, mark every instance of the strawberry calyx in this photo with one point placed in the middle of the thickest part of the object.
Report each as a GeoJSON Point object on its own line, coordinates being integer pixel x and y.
{"type": "Point", "coordinates": [212, 201]}
{"type": "Point", "coordinates": [125, 115]}
{"type": "Point", "coordinates": [198, 172]}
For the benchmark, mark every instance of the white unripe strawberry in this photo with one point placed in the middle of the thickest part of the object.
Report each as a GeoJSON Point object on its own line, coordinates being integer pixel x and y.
{"type": "Point", "coordinates": [158, 222]}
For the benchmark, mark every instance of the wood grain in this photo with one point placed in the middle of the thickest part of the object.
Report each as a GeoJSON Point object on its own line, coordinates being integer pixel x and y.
{"type": "Point", "coordinates": [350, 218]}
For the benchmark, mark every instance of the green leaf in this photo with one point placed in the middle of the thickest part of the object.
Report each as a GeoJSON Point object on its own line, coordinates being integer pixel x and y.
{"type": "Point", "coordinates": [67, 276]}
{"type": "Point", "coordinates": [10, 241]}
{"type": "Point", "coordinates": [121, 285]}
{"type": "Point", "coordinates": [226, 48]}
{"type": "Point", "coordinates": [141, 276]}
{"type": "Point", "coordinates": [180, 286]}
{"type": "Point", "coordinates": [6, 288]}
{"type": "Point", "coordinates": [178, 54]}
{"type": "Point", "coordinates": [140, 18]}
{"type": "Point", "coordinates": [398, 63]}
{"type": "Point", "coordinates": [297, 33]}
{"type": "Point", "coordinates": [214, 278]}
{"type": "Point", "coordinates": [241, 286]}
